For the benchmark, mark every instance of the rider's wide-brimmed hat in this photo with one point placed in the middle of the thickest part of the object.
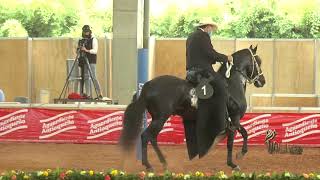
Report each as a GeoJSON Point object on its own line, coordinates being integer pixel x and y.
{"type": "Point", "coordinates": [207, 21]}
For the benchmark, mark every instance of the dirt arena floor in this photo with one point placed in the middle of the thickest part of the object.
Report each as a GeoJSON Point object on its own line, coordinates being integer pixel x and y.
{"type": "Point", "coordinates": [35, 156]}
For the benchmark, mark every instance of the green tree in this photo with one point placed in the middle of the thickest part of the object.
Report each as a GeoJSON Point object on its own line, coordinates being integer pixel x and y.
{"type": "Point", "coordinates": [4, 14]}
{"type": "Point", "coordinates": [41, 19]}
{"type": "Point", "coordinates": [310, 25]}
{"type": "Point", "coordinates": [174, 24]}
{"type": "Point", "coordinates": [160, 26]}
{"type": "Point", "coordinates": [260, 22]}
{"type": "Point", "coordinates": [244, 19]}
{"type": "Point", "coordinates": [100, 21]}
{"type": "Point", "coordinates": [12, 28]}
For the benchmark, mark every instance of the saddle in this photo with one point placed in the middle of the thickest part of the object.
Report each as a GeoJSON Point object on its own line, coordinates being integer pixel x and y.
{"type": "Point", "coordinates": [200, 79]}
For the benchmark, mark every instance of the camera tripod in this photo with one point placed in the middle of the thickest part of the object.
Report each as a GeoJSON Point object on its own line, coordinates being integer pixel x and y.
{"type": "Point", "coordinates": [80, 54]}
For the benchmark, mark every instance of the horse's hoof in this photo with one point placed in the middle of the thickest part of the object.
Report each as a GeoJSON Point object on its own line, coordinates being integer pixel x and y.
{"type": "Point", "coordinates": [237, 169]}
{"type": "Point", "coordinates": [165, 167]}
{"type": "Point", "coordinates": [150, 169]}
{"type": "Point", "coordinates": [240, 155]}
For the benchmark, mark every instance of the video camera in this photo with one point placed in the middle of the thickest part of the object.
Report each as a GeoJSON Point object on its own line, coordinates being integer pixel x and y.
{"type": "Point", "coordinates": [82, 54]}
{"type": "Point", "coordinates": [82, 42]}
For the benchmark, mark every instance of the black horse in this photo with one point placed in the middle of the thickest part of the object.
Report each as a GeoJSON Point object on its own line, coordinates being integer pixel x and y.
{"type": "Point", "coordinates": [168, 95]}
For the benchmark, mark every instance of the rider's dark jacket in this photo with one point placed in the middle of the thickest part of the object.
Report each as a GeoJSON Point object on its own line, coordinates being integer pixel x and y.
{"type": "Point", "coordinates": [200, 52]}
{"type": "Point", "coordinates": [212, 112]}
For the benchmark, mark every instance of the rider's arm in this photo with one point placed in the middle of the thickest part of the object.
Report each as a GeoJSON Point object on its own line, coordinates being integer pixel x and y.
{"type": "Point", "coordinates": [211, 53]}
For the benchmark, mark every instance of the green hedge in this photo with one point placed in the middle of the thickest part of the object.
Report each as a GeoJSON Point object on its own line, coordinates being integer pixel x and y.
{"type": "Point", "coordinates": [114, 174]}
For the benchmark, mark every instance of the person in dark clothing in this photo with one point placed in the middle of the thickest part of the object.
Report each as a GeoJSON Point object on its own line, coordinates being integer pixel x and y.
{"type": "Point", "coordinates": [90, 48]}
{"type": "Point", "coordinates": [199, 50]}
{"type": "Point", "coordinates": [200, 56]}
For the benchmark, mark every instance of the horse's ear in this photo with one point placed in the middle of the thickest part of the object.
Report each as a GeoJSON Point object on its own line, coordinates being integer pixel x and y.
{"type": "Point", "coordinates": [250, 47]}
{"type": "Point", "coordinates": [255, 49]}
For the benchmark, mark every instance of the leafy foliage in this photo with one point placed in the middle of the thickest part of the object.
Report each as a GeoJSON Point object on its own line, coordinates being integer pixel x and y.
{"type": "Point", "coordinates": [261, 22]}
{"type": "Point", "coordinates": [310, 27]}
{"type": "Point", "coordinates": [248, 21]}
{"type": "Point", "coordinates": [12, 28]}
{"type": "Point", "coordinates": [236, 19]}
{"type": "Point", "coordinates": [41, 19]}
{"type": "Point", "coordinates": [175, 24]}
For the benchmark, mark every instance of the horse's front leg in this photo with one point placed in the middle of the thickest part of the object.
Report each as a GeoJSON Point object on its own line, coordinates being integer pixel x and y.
{"type": "Point", "coordinates": [244, 135]}
{"type": "Point", "coordinates": [230, 134]}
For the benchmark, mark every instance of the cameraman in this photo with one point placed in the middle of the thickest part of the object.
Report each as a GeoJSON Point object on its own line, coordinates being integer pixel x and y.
{"type": "Point", "coordinates": [89, 48]}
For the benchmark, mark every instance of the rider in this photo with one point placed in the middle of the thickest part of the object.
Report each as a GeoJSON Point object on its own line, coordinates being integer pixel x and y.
{"type": "Point", "coordinates": [199, 50]}
{"type": "Point", "coordinates": [200, 56]}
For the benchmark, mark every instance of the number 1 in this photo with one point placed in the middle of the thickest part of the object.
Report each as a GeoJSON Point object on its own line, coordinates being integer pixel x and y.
{"type": "Point", "coordinates": [204, 90]}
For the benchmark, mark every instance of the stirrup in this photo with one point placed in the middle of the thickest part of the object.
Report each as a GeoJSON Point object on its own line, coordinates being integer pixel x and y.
{"type": "Point", "coordinates": [194, 98]}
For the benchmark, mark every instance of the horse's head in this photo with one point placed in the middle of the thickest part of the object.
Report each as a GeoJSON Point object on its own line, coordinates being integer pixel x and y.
{"type": "Point", "coordinates": [249, 64]}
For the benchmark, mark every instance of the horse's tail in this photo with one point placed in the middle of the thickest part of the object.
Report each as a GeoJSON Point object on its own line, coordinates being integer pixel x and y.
{"type": "Point", "coordinates": [132, 122]}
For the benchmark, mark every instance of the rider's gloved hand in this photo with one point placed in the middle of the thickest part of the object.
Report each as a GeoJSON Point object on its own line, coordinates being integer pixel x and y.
{"type": "Point", "coordinates": [230, 59]}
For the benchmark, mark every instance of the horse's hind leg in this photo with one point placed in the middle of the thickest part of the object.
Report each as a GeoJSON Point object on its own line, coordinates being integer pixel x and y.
{"type": "Point", "coordinates": [244, 135]}
{"type": "Point", "coordinates": [157, 127]}
{"type": "Point", "coordinates": [145, 137]}
{"type": "Point", "coordinates": [150, 134]}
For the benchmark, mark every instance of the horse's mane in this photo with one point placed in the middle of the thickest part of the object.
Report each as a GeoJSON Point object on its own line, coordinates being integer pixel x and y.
{"type": "Point", "coordinates": [236, 57]}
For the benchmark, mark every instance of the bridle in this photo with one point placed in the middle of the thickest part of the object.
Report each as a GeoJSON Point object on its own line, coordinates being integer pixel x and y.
{"type": "Point", "coordinates": [255, 65]}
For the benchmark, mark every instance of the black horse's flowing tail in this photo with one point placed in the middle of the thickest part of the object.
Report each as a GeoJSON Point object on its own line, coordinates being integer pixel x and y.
{"type": "Point", "coordinates": [132, 123]}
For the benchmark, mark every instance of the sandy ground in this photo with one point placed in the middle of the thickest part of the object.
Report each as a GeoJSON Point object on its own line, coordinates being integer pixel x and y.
{"type": "Point", "coordinates": [36, 156]}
